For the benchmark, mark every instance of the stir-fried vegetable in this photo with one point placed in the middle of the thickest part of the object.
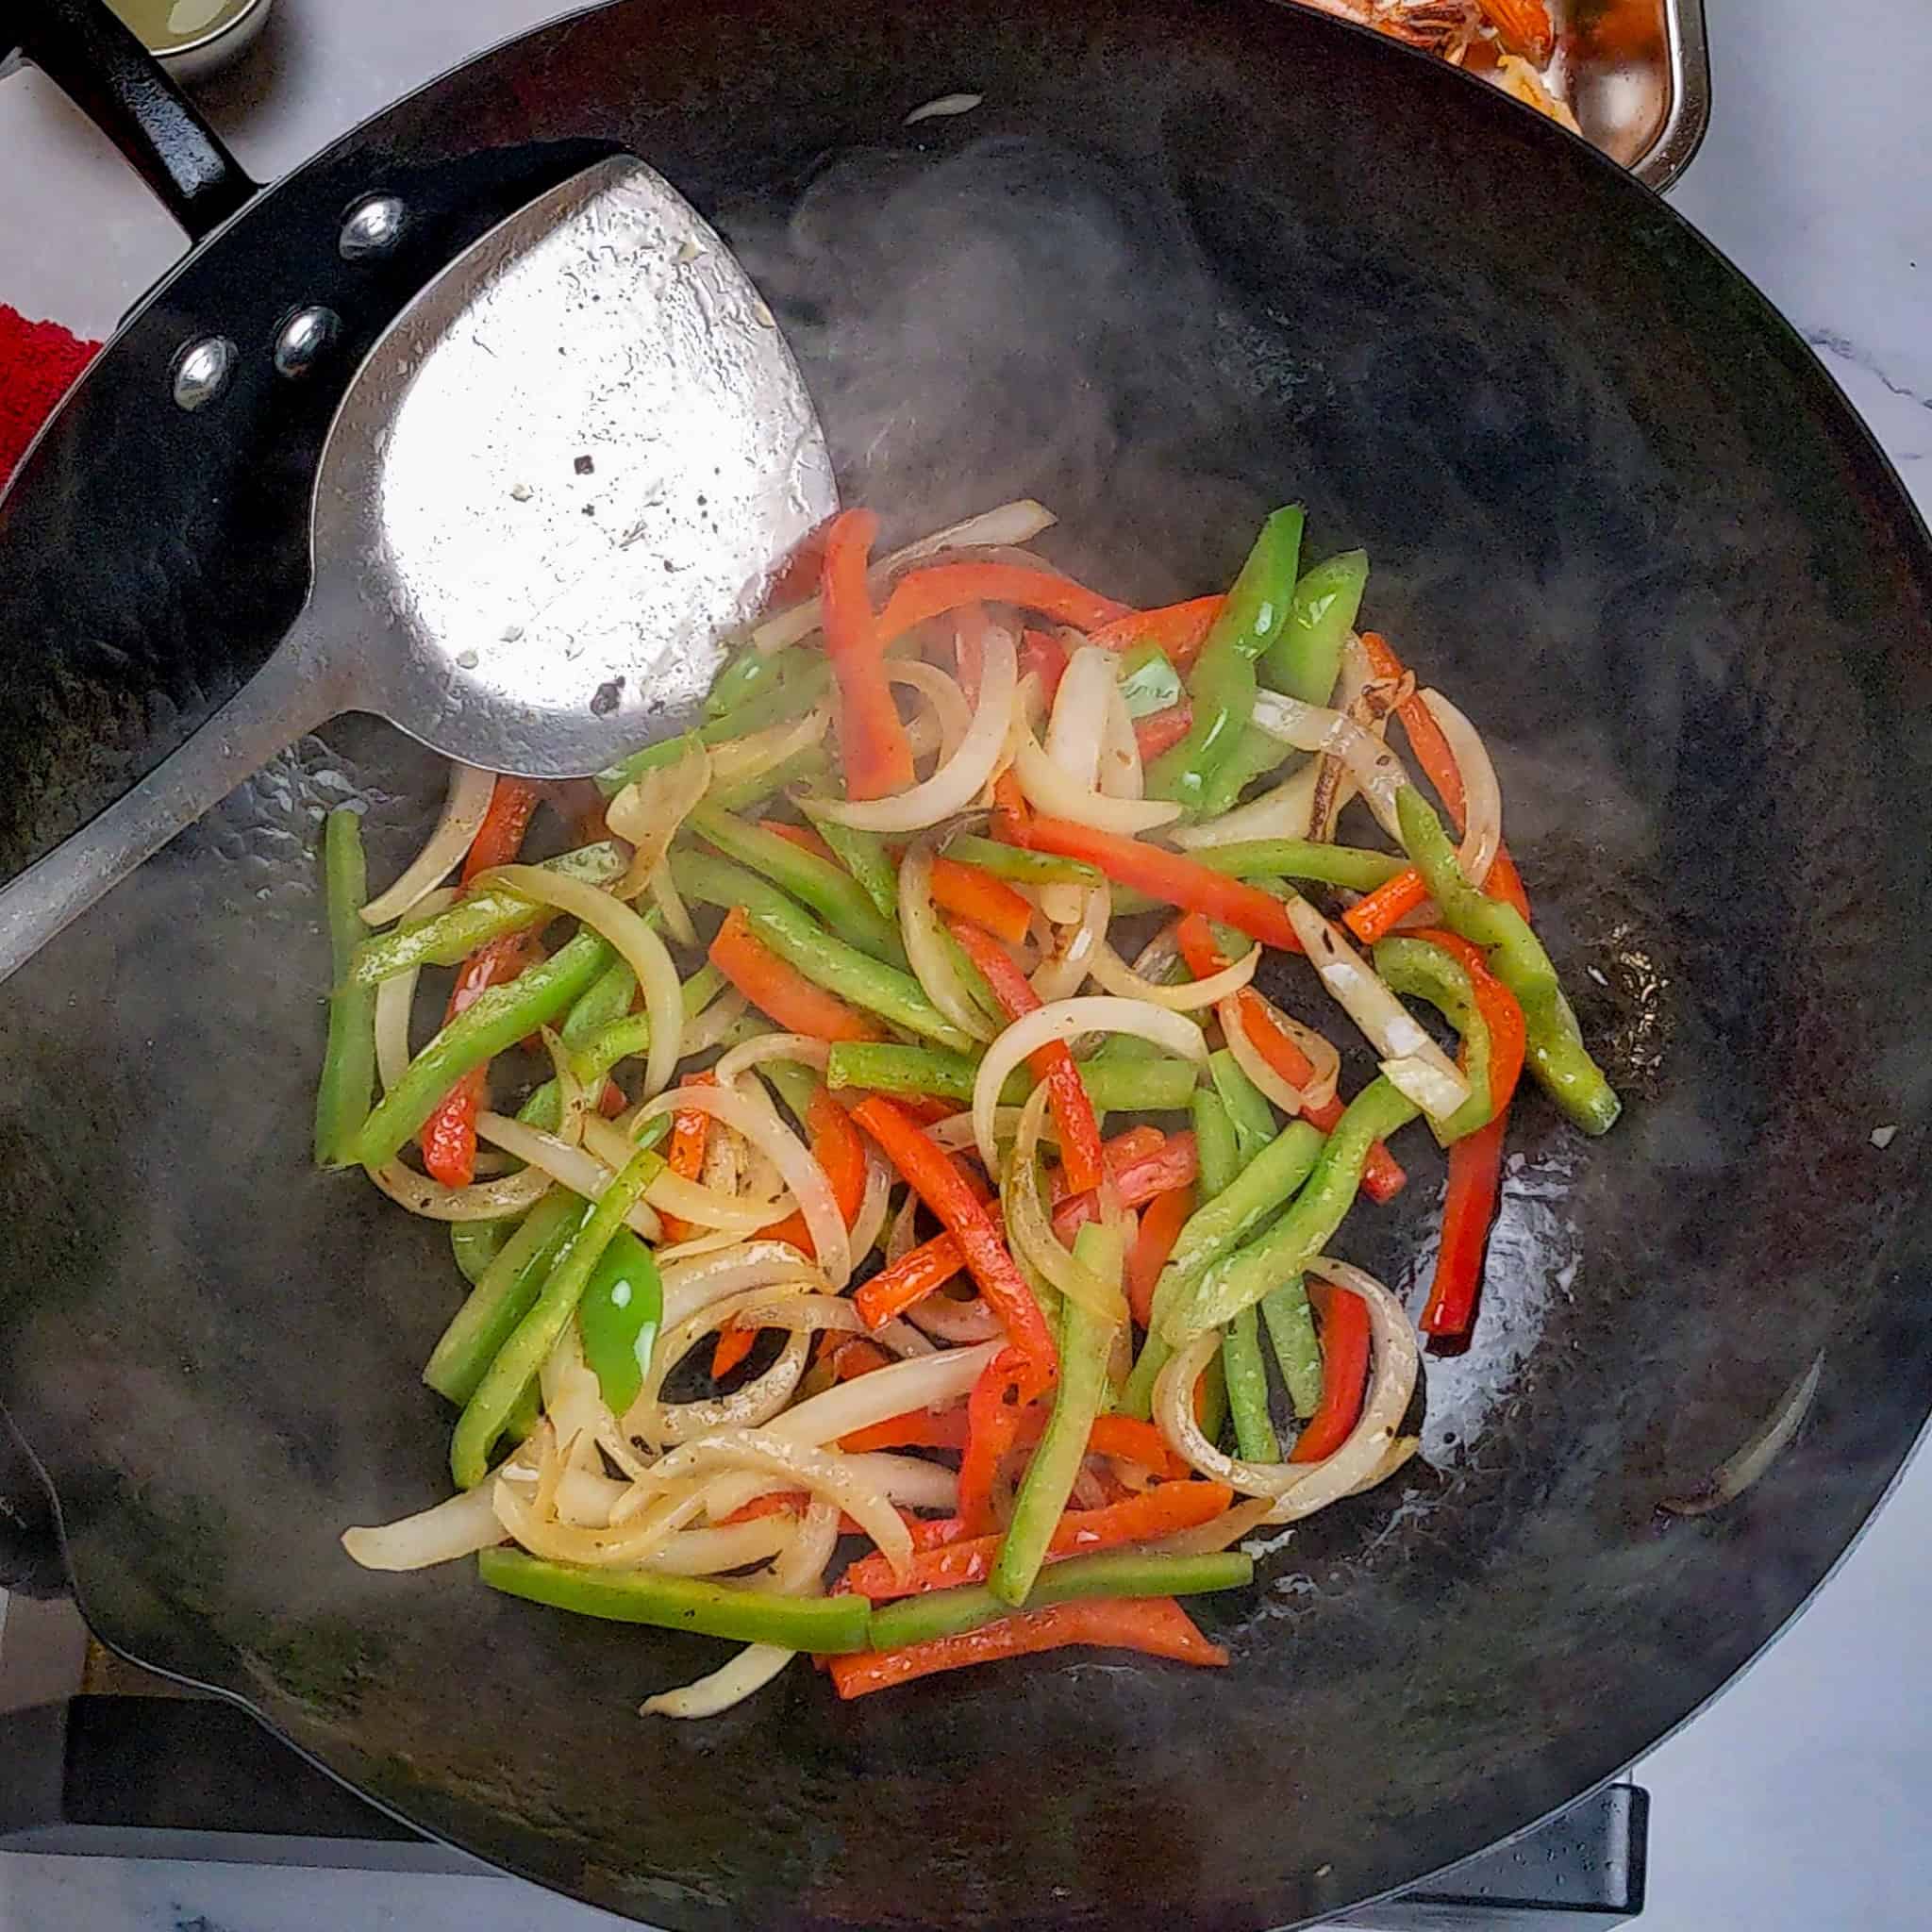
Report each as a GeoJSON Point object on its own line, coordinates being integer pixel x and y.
{"type": "Point", "coordinates": [987, 1147]}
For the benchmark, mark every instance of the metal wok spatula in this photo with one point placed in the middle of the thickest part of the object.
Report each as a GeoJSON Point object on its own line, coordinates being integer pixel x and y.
{"type": "Point", "coordinates": [553, 491]}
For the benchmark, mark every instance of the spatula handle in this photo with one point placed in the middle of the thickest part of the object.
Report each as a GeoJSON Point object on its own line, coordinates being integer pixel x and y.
{"type": "Point", "coordinates": [291, 693]}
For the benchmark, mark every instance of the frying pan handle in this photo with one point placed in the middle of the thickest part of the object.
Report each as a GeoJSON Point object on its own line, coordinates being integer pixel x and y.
{"type": "Point", "coordinates": [102, 67]}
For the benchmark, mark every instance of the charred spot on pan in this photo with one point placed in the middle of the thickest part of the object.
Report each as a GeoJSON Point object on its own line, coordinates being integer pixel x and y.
{"type": "Point", "coordinates": [584, 466]}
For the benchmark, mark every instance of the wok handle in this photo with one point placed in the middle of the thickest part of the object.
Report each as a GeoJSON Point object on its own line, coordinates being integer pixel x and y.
{"type": "Point", "coordinates": [100, 64]}
{"type": "Point", "coordinates": [292, 692]}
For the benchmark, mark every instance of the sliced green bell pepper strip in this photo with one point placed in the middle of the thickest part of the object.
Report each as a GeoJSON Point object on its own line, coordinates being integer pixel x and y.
{"type": "Point", "coordinates": [622, 1305]}
{"type": "Point", "coordinates": [801, 942]}
{"type": "Point", "coordinates": [1352, 866]}
{"type": "Point", "coordinates": [1085, 1341]}
{"type": "Point", "coordinates": [474, 1245]}
{"type": "Point", "coordinates": [1223, 1153]}
{"type": "Point", "coordinates": [748, 673]}
{"type": "Point", "coordinates": [1161, 1086]}
{"type": "Point", "coordinates": [797, 1084]}
{"type": "Point", "coordinates": [823, 1625]}
{"type": "Point", "coordinates": [801, 768]}
{"type": "Point", "coordinates": [1026, 868]}
{"type": "Point", "coordinates": [1240, 1280]}
{"type": "Point", "coordinates": [502, 1297]}
{"type": "Point", "coordinates": [1306, 660]}
{"type": "Point", "coordinates": [1124, 1572]}
{"type": "Point", "coordinates": [829, 891]}
{"type": "Point", "coordinates": [1297, 1348]}
{"type": "Point", "coordinates": [1554, 1049]}
{"type": "Point", "coordinates": [1223, 686]}
{"type": "Point", "coordinates": [802, 681]}
{"type": "Point", "coordinates": [1422, 971]}
{"type": "Point", "coordinates": [494, 1022]}
{"type": "Point", "coordinates": [608, 997]}
{"type": "Point", "coordinates": [530, 1343]}
{"type": "Point", "coordinates": [630, 1037]}
{"type": "Point", "coordinates": [475, 919]}
{"type": "Point", "coordinates": [1149, 682]}
{"type": "Point", "coordinates": [348, 1062]}
{"type": "Point", "coordinates": [1248, 1109]}
{"type": "Point", "coordinates": [1217, 1227]}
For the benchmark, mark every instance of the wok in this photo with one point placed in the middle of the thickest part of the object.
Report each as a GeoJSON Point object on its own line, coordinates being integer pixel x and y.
{"type": "Point", "coordinates": [1172, 270]}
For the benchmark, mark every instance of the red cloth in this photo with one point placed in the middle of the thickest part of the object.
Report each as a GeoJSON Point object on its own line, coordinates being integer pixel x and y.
{"type": "Point", "coordinates": [39, 362]}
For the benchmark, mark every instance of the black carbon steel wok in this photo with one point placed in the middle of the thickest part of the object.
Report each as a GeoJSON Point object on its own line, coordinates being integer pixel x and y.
{"type": "Point", "coordinates": [1179, 266]}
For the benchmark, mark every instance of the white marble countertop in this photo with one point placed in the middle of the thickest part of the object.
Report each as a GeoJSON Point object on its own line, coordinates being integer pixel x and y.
{"type": "Point", "coordinates": [1796, 1801]}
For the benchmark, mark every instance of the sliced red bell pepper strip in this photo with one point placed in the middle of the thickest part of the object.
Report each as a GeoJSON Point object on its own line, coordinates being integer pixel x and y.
{"type": "Point", "coordinates": [1120, 1153]}
{"type": "Point", "coordinates": [1344, 1371]}
{"type": "Point", "coordinates": [1382, 1175]}
{"type": "Point", "coordinates": [1011, 811]}
{"type": "Point", "coordinates": [971, 893]}
{"type": "Point", "coordinates": [837, 1148]}
{"type": "Point", "coordinates": [1121, 1436]}
{"type": "Point", "coordinates": [1053, 1063]}
{"type": "Point", "coordinates": [1179, 629]}
{"type": "Point", "coordinates": [797, 578]}
{"type": "Point", "coordinates": [917, 1429]}
{"type": "Point", "coordinates": [1045, 657]}
{"type": "Point", "coordinates": [684, 1155]}
{"type": "Point", "coordinates": [1160, 731]}
{"type": "Point", "coordinates": [1174, 1164]}
{"type": "Point", "coordinates": [856, 1357]}
{"type": "Point", "coordinates": [1156, 1627]}
{"type": "Point", "coordinates": [992, 1419]}
{"type": "Point", "coordinates": [938, 1184]}
{"type": "Point", "coordinates": [1163, 1510]}
{"type": "Point", "coordinates": [877, 755]}
{"type": "Point", "coordinates": [908, 1282]}
{"type": "Point", "coordinates": [778, 990]}
{"type": "Point", "coordinates": [1160, 1226]}
{"type": "Point", "coordinates": [1165, 875]}
{"type": "Point", "coordinates": [943, 587]}
{"type": "Point", "coordinates": [449, 1135]}
{"type": "Point", "coordinates": [1373, 917]}
{"type": "Point", "coordinates": [1476, 1163]}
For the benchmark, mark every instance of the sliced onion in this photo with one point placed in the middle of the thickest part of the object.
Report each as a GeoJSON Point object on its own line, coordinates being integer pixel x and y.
{"type": "Point", "coordinates": [648, 812]}
{"type": "Point", "coordinates": [711, 1028]}
{"type": "Point", "coordinates": [1412, 1062]}
{"type": "Point", "coordinates": [1011, 523]}
{"type": "Point", "coordinates": [458, 1526]}
{"type": "Point", "coordinates": [670, 906]}
{"type": "Point", "coordinates": [669, 1193]}
{"type": "Point", "coordinates": [657, 1421]}
{"type": "Point", "coordinates": [831, 1475]}
{"type": "Point", "coordinates": [464, 809]}
{"type": "Point", "coordinates": [949, 706]}
{"type": "Point", "coordinates": [956, 1130]}
{"type": "Point", "coordinates": [1312, 727]}
{"type": "Point", "coordinates": [1190, 995]}
{"type": "Point", "coordinates": [1301, 1489]}
{"type": "Point", "coordinates": [901, 1240]}
{"type": "Point", "coordinates": [1285, 813]}
{"type": "Point", "coordinates": [801, 1571]}
{"type": "Point", "coordinates": [1032, 1231]}
{"type": "Point", "coordinates": [1482, 794]}
{"type": "Point", "coordinates": [480, 1200]}
{"type": "Point", "coordinates": [1121, 773]}
{"type": "Point", "coordinates": [770, 1046]}
{"type": "Point", "coordinates": [1056, 794]}
{"type": "Point", "coordinates": [872, 1203]}
{"type": "Point", "coordinates": [926, 946]}
{"type": "Point", "coordinates": [546, 1155]}
{"type": "Point", "coordinates": [758, 752]}
{"type": "Point", "coordinates": [689, 1286]}
{"type": "Point", "coordinates": [761, 1126]}
{"type": "Point", "coordinates": [395, 998]}
{"type": "Point", "coordinates": [1066, 1020]}
{"type": "Point", "coordinates": [1066, 972]}
{"type": "Point", "coordinates": [1248, 1058]}
{"type": "Point", "coordinates": [905, 1480]}
{"type": "Point", "coordinates": [1737, 1473]}
{"type": "Point", "coordinates": [899, 1338]}
{"type": "Point", "coordinates": [655, 1547]}
{"type": "Point", "coordinates": [956, 1322]}
{"type": "Point", "coordinates": [748, 1672]}
{"type": "Point", "coordinates": [930, 1381]}
{"type": "Point", "coordinates": [1078, 724]}
{"type": "Point", "coordinates": [960, 778]}
{"type": "Point", "coordinates": [639, 948]}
